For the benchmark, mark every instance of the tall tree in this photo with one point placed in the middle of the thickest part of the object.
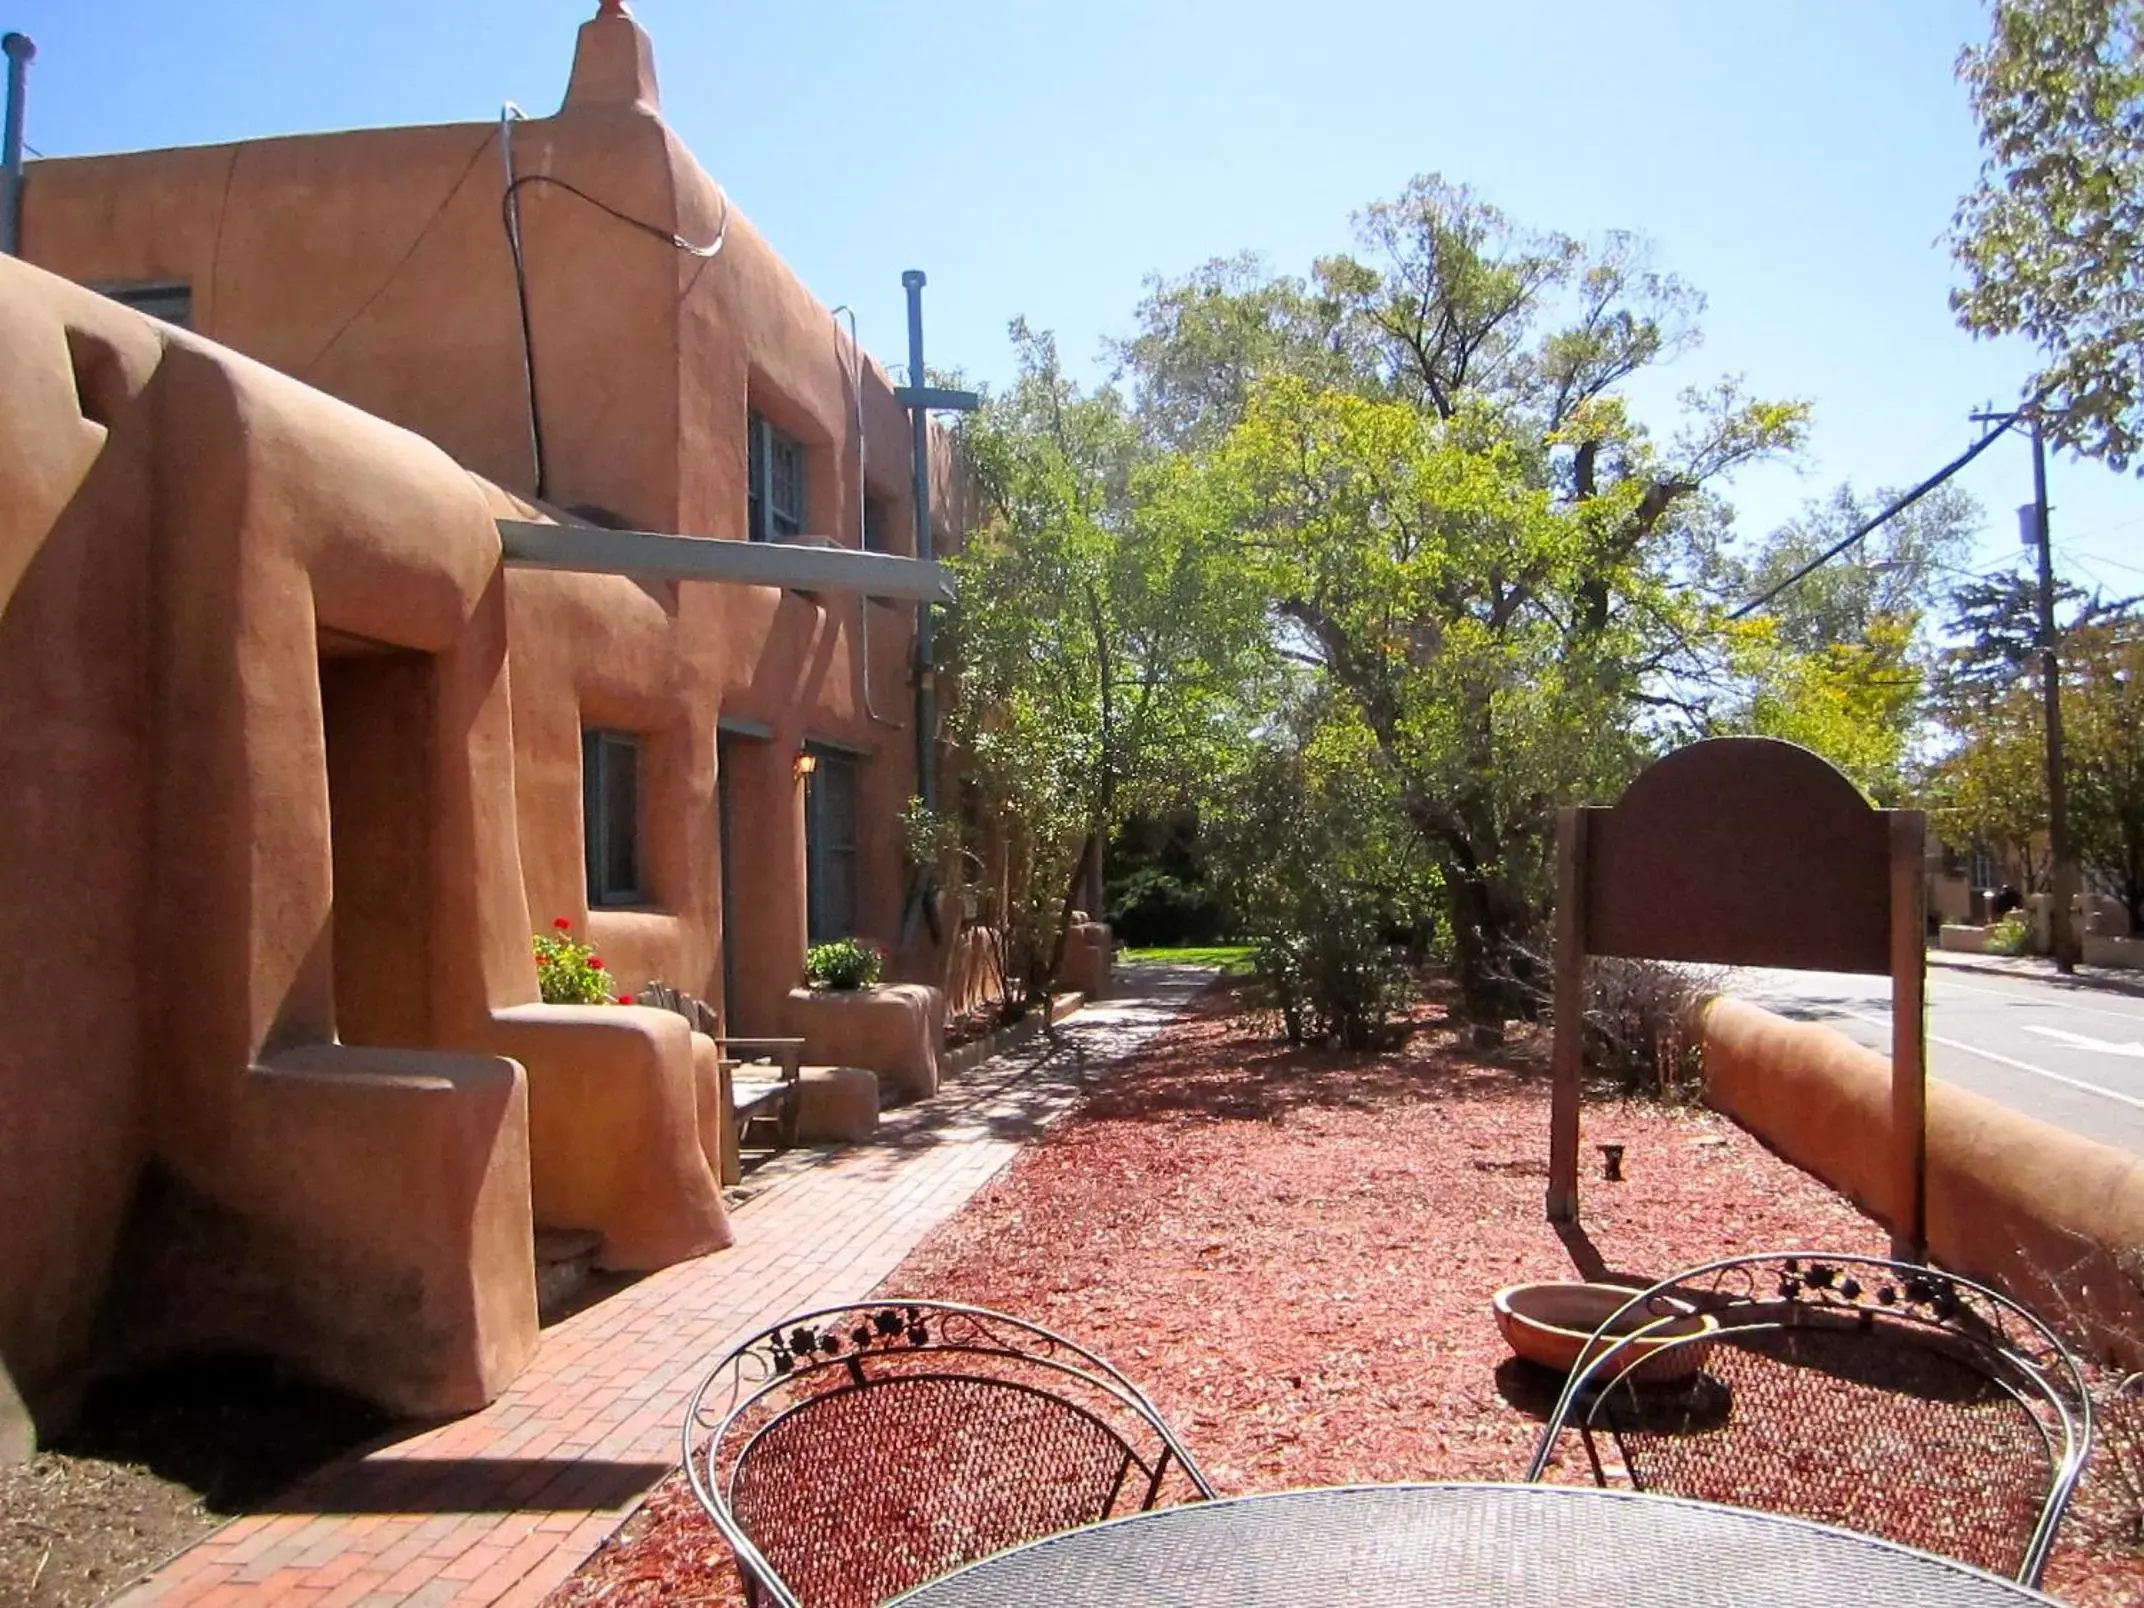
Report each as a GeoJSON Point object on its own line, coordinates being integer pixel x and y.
{"type": "Point", "coordinates": [1839, 661]}
{"type": "Point", "coordinates": [1991, 790]}
{"type": "Point", "coordinates": [1101, 653]}
{"type": "Point", "coordinates": [2103, 688]}
{"type": "Point", "coordinates": [1433, 480]}
{"type": "Point", "coordinates": [2052, 239]}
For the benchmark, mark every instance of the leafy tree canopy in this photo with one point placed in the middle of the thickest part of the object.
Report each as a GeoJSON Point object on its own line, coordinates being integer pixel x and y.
{"type": "Point", "coordinates": [2051, 240]}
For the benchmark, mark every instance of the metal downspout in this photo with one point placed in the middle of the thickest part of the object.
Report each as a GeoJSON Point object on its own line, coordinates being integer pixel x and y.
{"type": "Point", "coordinates": [20, 53]}
{"type": "Point", "coordinates": [926, 672]}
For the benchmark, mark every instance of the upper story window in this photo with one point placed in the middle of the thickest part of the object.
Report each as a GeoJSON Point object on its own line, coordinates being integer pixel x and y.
{"type": "Point", "coordinates": [776, 501]}
{"type": "Point", "coordinates": [170, 300]}
{"type": "Point", "coordinates": [878, 525]}
{"type": "Point", "coordinates": [610, 816]}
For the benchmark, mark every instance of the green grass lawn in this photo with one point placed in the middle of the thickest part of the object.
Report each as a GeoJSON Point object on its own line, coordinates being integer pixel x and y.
{"type": "Point", "coordinates": [1231, 959]}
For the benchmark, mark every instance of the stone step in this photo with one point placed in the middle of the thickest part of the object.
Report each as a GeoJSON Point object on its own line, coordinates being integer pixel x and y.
{"type": "Point", "coordinates": [565, 1258]}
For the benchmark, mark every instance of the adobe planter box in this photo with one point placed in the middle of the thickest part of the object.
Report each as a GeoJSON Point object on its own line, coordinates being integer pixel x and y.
{"type": "Point", "coordinates": [1088, 955]}
{"type": "Point", "coordinates": [893, 1030]}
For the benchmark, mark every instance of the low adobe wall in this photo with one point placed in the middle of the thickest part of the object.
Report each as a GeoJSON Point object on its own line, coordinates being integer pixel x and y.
{"type": "Point", "coordinates": [2011, 1200]}
{"type": "Point", "coordinates": [894, 1031]}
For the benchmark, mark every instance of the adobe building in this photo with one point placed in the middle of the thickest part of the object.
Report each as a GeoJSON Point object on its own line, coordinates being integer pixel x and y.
{"type": "Point", "coordinates": [329, 672]}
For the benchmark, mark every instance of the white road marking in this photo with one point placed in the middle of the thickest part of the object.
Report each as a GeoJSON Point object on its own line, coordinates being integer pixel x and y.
{"type": "Point", "coordinates": [2078, 1041]}
{"type": "Point", "coordinates": [2061, 1004]}
{"type": "Point", "coordinates": [2004, 1060]}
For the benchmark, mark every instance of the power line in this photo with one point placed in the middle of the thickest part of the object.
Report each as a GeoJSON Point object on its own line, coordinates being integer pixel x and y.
{"type": "Point", "coordinates": [1896, 506]}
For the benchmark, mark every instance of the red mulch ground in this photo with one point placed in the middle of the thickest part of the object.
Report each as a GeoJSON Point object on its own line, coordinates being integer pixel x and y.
{"type": "Point", "coordinates": [1294, 1250]}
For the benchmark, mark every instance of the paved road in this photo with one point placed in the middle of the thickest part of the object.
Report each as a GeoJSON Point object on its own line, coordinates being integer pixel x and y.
{"type": "Point", "coordinates": [2068, 1051]}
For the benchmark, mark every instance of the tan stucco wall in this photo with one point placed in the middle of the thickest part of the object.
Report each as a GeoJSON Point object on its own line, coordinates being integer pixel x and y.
{"type": "Point", "coordinates": [2010, 1200]}
{"type": "Point", "coordinates": [373, 265]}
{"type": "Point", "coordinates": [183, 530]}
{"type": "Point", "coordinates": [283, 1081]}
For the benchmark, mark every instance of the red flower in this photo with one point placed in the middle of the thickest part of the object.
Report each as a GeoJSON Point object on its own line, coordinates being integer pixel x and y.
{"type": "Point", "coordinates": [595, 962]}
{"type": "Point", "coordinates": [562, 924]}
{"type": "Point", "coordinates": [625, 999]}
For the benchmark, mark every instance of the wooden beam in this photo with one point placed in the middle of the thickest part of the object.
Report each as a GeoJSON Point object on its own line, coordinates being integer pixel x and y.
{"type": "Point", "coordinates": [1567, 1054]}
{"type": "Point", "coordinates": [1909, 1043]}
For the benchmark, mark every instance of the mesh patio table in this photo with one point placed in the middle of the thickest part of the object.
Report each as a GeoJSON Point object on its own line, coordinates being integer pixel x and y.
{"type": "Point", "coordinates": [1513, 1546]}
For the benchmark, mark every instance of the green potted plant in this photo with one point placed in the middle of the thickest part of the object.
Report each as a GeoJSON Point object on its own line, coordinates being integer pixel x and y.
{"type": "Point", "coordinates": [845, 965]}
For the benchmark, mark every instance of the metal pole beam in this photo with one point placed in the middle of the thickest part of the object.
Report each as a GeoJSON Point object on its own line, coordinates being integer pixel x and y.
{"type": "Point", "coordinates": [20, 53]}
{"type": "Point", "coordinates": [926, 670]}
{"type": "Point", "coordinates": [2062, 871]}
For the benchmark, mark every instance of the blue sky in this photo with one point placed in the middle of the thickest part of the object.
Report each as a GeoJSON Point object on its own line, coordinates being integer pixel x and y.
{"type": "Point", "coordinates": [1798, 163]}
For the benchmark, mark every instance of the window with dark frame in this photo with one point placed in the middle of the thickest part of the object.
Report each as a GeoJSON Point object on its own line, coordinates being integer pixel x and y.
{"type": "Point", "coordinates": [775, 468]}
{"type": "Point", "coordinates": [830, 846]}
{"type": "Point", "coordinates": [1987, 871]}
{"type": "Point", "coordinates": [610, 816]}
{"type": "Point", "coordinates": [878, 526]}
{"type": "Point", "coordinates": [169, 299]}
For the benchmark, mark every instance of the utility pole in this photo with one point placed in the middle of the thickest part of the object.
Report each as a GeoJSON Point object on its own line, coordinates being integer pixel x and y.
{"type": "Point", "coordinates": [2061, 869]}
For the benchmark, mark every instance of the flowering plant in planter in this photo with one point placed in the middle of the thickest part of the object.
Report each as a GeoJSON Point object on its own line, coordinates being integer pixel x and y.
{"type": "Point", "coordinates": [845, 964]}
{"type": "Point", "coordinates": [568, 972]}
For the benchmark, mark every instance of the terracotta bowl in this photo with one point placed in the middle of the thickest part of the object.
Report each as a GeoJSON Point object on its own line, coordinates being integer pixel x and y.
{"type": "Point", "coordinates": [1550, 1324]}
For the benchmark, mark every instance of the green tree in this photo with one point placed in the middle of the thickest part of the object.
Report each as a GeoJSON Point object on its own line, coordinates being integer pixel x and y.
{"type": "Point", "coordinates": [1101, 654]}
{"type": "Point", "coordinates": [1854, 702]}
{"type": "Point", "coordinates": [1487, 632]}
{"type": "Point", "coordinates": [1839, 661]}
{"type": "Point", "coordinates": [1994, 625]}
{"type": "Point", "coordinates": [1991, 790]}
{"type": "Point", "coordinates": [2103, 712]}
{"type": "Point", "coordinates": [1426, 470]}
{"type": "Point", "coordinates": [2051, 240]}
{"type": "Point", "coordinates": [1324, 914]}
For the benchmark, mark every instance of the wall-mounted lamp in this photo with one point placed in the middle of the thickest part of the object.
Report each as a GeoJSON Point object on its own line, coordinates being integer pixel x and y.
{"type": "Point", "coordinates": [806, 764]}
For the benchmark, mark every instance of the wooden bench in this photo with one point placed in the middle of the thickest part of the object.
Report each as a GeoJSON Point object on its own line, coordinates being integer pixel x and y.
{"type": "Point", "coordinates": [759, 1075]}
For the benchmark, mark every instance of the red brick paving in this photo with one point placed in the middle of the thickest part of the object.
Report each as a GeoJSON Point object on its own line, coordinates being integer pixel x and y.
{"type": "Point", "coordinates": [502, 1506]}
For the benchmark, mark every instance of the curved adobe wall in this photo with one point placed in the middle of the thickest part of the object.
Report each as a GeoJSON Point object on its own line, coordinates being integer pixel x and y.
{"type": "Point", "coordinates": [293, 601]}
{"type": "Point", "coordinates": [373, 265]}
{"type": "Point", "coordinates": [239, 523]}
{"type": "Point", "coordinates": [2011, 1200]}
{"type": "Point", "coordinates": [75, 790]}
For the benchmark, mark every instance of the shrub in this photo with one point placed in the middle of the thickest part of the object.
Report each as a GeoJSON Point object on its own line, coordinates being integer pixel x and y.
{"type": "Point", "coordinates": [845, 964]}
{"type": "Point", "coordinates": [1641, 1028]}
{"type": "Point", "coordinates": [568, 972]}
{"type": "Point", "coordinates": [1333, 977]}
{"type": "Point", "coordinates": [2009, 936]}
{"type": "Point", "coordinates": [1307, 849]}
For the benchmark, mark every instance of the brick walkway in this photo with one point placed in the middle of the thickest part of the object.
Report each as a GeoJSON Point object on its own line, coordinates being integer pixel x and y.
{"type": "Point", "coordinates": [503, 1505]}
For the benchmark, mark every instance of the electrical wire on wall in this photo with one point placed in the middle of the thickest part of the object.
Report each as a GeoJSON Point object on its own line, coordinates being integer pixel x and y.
{"type": "Point", "coordinates": [853, 371]}
{"type": "Point", "coordinates": [510, 220]}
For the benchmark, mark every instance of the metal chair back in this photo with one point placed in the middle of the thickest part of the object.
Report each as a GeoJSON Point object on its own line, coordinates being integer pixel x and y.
{"type": "Point", "coordinates": [851, 1453]}
{"type": "Point", "coordinates": [1881, 1396]}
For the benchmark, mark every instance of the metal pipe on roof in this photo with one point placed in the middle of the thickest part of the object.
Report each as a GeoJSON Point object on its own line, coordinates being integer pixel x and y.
{"type": "Point", "coordinates": [20, 53]}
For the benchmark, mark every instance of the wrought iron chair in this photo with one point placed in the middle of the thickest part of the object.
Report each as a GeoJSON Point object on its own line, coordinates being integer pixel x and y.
{"type": "Point", "coordinates": [1885, 1397]}
{"type": "Point", "coordinates": [851, 1453]}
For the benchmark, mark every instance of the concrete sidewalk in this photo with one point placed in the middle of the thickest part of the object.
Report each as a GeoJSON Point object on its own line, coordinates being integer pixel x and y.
{"type": "Point", "coordinates": [2039, 968]}
{"type": "Point", "coordinates": [503, 1505]}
